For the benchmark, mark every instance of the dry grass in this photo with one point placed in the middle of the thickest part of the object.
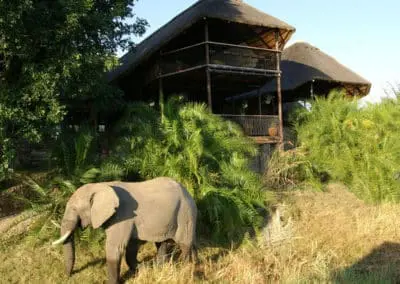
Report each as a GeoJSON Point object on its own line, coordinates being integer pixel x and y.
{"type": "Point", "coordinates": [321, 237]}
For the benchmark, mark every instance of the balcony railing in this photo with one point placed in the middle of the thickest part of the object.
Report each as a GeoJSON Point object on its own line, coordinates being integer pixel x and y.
{"type": "Point", "coordinates": [256, 125]}
{"type": "Point", "coordinates": [242, 56]}
{"type": "Point", "coordinates": [236, 57]}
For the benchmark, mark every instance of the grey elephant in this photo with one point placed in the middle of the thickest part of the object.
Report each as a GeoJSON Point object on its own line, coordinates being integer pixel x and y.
{"type": "Point", "coordinates": [158, 210]}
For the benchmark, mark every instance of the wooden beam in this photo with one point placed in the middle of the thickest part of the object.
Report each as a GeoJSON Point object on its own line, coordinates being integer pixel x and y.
{"type": "Point", "coordinates": [161, 97]}
{"type": "Point", "coordinates": [242, 46]}
{"type": "Point", "coordinates": [182, 48]}
{"type": "Point", "coordinates": [258, 35]}
{"type": "Point", "coordinates": [216, 43]}
{"type": "Point", "coordinates": [182, 71]}
{"type": "Point", "coordinates": [243, 70]}
{"type": "Point", "coordinates": [282, 39]}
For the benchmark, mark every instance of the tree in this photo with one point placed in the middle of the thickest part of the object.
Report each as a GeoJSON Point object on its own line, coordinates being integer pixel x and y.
{"type": "Point", "coordinates": [53, 57]}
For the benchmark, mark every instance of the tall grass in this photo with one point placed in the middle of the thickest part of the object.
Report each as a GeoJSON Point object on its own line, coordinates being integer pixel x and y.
{"type": "Point", "coordinates": [329, 237]}
{"type": "Point", "coordinates": [357, 146]}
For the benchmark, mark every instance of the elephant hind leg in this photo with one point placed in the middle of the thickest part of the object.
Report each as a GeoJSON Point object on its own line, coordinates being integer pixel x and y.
{"type": "Point", "coordinates": [161, 252]}
{"type": "Point", "coordinates": [194, 257]}
{"type": "Point", "coordinates": [131, 253]}
{"type": "Point", "coordinates": [164, 250]}
{"type": "Point", "coordinates": [188, 252]}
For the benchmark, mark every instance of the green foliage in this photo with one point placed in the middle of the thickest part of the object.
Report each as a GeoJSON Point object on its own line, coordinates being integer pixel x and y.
{"type": "Point", "coordinates": [53, 54]}
{"type": "Point", "coordinates": [76, 163]}
{"type": "Point", "coordinates": [208, 155]}
{"type": "Point", "coordinates": [77, 157]}
{"type": "Point", "coordinates": [359, 147]}
{"type": "Point", "coordinates": [75, 151]}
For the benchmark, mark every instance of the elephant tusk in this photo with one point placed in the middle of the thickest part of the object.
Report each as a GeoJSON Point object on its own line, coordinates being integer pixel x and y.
{"type": "Point", "coordinates": [62, 239]}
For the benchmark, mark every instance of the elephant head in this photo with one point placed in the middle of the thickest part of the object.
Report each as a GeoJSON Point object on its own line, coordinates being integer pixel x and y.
{"type": "Point", "coordinates": [91, 204]}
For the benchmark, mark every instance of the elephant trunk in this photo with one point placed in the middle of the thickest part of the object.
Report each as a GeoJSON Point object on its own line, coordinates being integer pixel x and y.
{"type": "Point", "coordinates": [68, 227]}
{"type": "Point", "coordinates": [69, 254]}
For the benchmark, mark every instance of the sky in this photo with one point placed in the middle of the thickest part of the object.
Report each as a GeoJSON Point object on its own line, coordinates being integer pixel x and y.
{"type": "Point", "coordinates": [362, 35]}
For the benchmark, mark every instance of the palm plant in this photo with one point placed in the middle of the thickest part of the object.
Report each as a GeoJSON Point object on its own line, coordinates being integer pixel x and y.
{"type": "Point", "coordinates": [78, 159]}
{"type": "Point", "coordinates": [208, 155]}
{"type": "Point", "coordinates": [357, 146]}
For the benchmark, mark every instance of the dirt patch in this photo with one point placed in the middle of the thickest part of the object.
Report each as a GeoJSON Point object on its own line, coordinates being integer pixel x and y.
{"type": "Point", "coordinates": [16, 224]}
{"type": "Point", "coordinates": [12, 198]}
{"type": "Point", "coordinates": [9, 203]}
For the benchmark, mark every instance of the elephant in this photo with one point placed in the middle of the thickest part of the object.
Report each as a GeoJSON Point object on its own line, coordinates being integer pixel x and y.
{"type": "Point", "coordinates": [160, 210]}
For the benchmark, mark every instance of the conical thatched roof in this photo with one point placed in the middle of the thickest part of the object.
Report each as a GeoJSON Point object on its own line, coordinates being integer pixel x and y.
{"type": "Point", "coordinates": [302, 62]}
{"type": "Point", "coordinates": [230, 10]}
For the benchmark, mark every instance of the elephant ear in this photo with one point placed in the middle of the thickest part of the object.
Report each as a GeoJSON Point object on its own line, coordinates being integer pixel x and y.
{"type": "Point", "coordinates": [104, 204]}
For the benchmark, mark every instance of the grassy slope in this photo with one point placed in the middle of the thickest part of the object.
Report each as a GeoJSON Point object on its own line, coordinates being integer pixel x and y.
{"type": "Point", "coordinates": [328, 237]}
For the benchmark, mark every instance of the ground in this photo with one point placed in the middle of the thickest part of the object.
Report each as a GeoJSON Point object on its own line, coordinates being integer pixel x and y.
{"type": "Point", "coordinates": [318, 237]}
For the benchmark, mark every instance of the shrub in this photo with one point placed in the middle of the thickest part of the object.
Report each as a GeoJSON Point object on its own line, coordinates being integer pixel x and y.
{"type": "Point", "coordinates": [208, 155]}
{"type": "Point", "coordinates": [291, 169]}
{"type": "Point", "coordinates": [359, 147]}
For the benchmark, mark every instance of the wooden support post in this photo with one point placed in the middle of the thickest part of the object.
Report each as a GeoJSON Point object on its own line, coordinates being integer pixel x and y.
{"type": "Point", "coordinates": [312, 90]}
{"type": "Point", "coordinates": [93, 116]}
{"type": "Point", "coordinates": [161, 97]}
{"type": "Point", "coordinates": [208, 75]}
{"type": "Point", "coordinates": [278, 88]}
{"type": "Point", "coordinates": [259, 101]}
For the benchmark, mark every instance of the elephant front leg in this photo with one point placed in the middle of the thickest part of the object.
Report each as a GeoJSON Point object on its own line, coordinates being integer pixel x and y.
{"type": "Point", "coordinates": [113, 257]}
{"type": "Point", "coordinates": [131, 253]}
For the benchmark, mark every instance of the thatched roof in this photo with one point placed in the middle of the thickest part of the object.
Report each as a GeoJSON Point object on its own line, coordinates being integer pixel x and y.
{"type": "Point", "coordinates": [303, 63]}
{"type": "Point", "coordinates": [230, 10]}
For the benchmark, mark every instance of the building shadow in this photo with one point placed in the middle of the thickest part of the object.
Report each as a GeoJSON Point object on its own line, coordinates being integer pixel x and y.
{"type": "Point", "coordinates": [381, 265]}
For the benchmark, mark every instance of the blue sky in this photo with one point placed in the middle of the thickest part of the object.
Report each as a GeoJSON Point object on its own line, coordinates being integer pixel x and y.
{"type": "Point", "coordinates": [363, 35]}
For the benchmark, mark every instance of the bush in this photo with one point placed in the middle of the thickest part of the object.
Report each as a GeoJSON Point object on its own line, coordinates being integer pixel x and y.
{"type": "Point", "coordinates": [208, 155]}
{"type": "Point", "coordinates": [359, 147]}
{"type": "Point", "coordinates": [291, 169]}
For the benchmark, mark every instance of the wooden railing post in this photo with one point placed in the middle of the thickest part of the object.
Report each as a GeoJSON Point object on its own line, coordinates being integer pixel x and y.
{"type": "Point", "coordinates": [278, 88]}
{"type": "Point", "coordinates": [161, 97]}
{"type": "Point", "coordinates": [208, 75]}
